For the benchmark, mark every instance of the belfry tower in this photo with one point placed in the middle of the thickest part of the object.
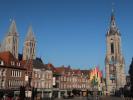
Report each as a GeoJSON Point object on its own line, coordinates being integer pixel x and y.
{"type": "Point", "coordinates": [29, 49]}
{"type": "Point", "coordinates": [114, 61]}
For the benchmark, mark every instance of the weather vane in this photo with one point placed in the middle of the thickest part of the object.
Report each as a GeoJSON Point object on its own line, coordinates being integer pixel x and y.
{"type": "Point", "coordinates": [113, 4]}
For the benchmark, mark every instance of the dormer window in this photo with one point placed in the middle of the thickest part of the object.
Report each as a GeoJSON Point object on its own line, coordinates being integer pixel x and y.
{"type": "Point", "coordinates": [12, 63]}
{"type": "Point", "coordinates": [1, 63]}
{"type": "Point", "coordinates": [18, 63]}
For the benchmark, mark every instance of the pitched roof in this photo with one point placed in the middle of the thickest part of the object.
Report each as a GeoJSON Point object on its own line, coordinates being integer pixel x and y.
{"type": "Point", "coordinates": [7, 58]}
{"type": "Point", "coordinates": [86, 72]}
{"type": "Point", "coordinates": [76, 71]}
{"type": "Point", "coordinates": [38, 64]}
{"type": "Point", "coordinates": [49, 66]}
{"type": "Point", "coordinates": [62, 70]}
{"type": "Point", "coordinates": [29, 64]}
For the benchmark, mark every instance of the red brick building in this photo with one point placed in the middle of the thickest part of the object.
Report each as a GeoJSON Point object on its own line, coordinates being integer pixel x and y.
{"type": "Point", "coordinates": [12, 73]}
{"type": "Point", "coordinates": [68, 79]}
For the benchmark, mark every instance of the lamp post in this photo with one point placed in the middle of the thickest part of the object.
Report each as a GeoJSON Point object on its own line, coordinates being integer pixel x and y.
{"type": "Point", "coordinates": [26, 80]}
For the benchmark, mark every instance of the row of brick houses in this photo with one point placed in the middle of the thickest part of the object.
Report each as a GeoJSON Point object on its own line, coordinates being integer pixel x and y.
{"type": "Point", "coordinates": [45, 77]}
{"type": "Point", "coordinates": [13, 73]}
{"type": "Point", "coordinates": [68, 79]}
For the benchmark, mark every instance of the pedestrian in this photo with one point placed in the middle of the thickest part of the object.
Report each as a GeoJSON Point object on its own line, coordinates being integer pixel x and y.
{"type": "Point", "coordinates": [17, 98]}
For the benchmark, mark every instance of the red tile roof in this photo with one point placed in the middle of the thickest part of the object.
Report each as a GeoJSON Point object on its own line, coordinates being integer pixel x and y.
{"type": "Point", "coordinates": [7, 57]}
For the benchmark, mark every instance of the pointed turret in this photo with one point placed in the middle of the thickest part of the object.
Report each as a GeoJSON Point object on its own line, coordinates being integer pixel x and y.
{"type": "Point", "coordinates": [13, 28]}
{"type": "Point", "coordinates": [30, 35]}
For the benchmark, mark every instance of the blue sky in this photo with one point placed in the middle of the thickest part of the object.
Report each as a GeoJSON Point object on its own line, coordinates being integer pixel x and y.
{"type": "Point", "coordinates": [70, 32]}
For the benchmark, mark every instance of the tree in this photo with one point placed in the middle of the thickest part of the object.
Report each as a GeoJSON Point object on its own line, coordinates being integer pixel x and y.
{"type": "Point", "coordinates": [22, 92]}
{"type": "Point", "coordinates": [131, 77]}
{"type": "Point", "coordinates": [1, 94]}
{"type": "Point", "coordinates": [34, 93]}
{"type": "Point", "coordinates": [94, 81]}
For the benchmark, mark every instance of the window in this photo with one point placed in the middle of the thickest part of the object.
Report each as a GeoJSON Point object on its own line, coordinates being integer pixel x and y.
{"type": "Point", "coordinates": [97, 74]}
{"type": "Point", "coordinates": [118, 48]}
{"type": "Point", "coordinates": [12, 63]}
{"type": "Point", "coordinates": [112, 60]}
{"type": "Point", "coordinates": [11, 73]}
{"type": "Point", "coordinates": [4, 72]}
{"type": "Point", "coordinates": [112, 48]}
{"type": "Point", "coordinates": [18, 63]}
{"type": "Point", "coordinates": [113, 81]}
{"type": "Point", "coordinates": [35, 75]}
{"type": "Point", "coordinates": [9, 40]}
{"type": "Point", "coordinates": [1, 63]}
{"type": "Point", "coordinates": [39, 76]}
{"type": "Point", "coordinates": [61, 78]}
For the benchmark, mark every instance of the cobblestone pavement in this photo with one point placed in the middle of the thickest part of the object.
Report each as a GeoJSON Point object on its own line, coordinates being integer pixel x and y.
{"type": "Point", "coordinates": [115, 98]}
{"type": "Point", "coordinates": [94, 98]}
{"type": "Point", "coordinates": [75, 98]}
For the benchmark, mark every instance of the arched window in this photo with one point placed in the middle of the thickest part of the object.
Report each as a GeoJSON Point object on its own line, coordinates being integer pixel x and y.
{"type": "Point", "coordinates": [112, 48]}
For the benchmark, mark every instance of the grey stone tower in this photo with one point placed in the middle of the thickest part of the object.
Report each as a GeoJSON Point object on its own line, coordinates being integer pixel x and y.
{"type": "Point", "coordinates": [114, 61]}
{"type": "Point", "coordinates": [29, 50]}
{"type": "Point", "coordinates": [10, 42]}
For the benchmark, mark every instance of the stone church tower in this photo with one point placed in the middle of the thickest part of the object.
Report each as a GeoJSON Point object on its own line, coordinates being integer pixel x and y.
{"type": "Point", "coordinates": [10, 42]}
{"type": "Point", "coordinates": [114, 61]}
{"type": "Point", "coordinates": [29, 49]}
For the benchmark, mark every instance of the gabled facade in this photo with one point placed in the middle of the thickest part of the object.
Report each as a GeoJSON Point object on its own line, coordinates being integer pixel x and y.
{"type": "Point", "coordinates": [42, 78]}
{"type": "Point", "coordinates": [96, 78]}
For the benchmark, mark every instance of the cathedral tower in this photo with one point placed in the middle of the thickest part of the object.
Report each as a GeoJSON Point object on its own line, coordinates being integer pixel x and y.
{"type": "Point", "coordinates": [114, 61]}
{"type": "Point", "coordinates": [29, 49]}
{"type": "Point", "coordinates": [10, 42]}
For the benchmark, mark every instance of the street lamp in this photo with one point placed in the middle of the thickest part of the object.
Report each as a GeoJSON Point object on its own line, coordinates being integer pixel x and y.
{"type": "Point", "coordinates": [27, 80]}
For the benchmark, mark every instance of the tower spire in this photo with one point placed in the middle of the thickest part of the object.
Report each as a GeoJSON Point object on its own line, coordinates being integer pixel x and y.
{"type": "Point", "coordinates": [113, 12]}
{"type": "Point", "coordinates": [29, 51]}
{"type": "Point", "coordinates": [113, 27]}
{"type": "Point", "coordinates": [30, 34]}
{"type": "Point", "coordinates": [13, 28]}
{"type": "Point", "coordinates": [11, 41]}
